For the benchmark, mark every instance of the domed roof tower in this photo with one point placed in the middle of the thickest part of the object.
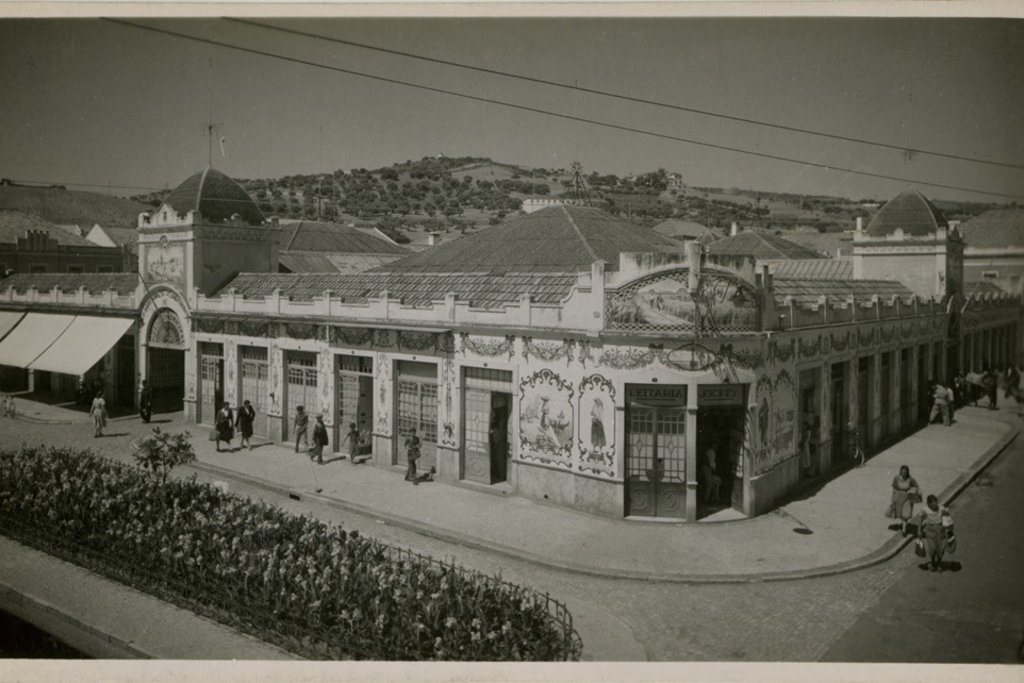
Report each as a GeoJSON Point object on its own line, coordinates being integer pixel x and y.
{"type": "Point", "coordinates": [910, 212]}
{"type": "Point", "coordinates": [216, 197]}
{"type": "Point", "coordinates": [205, 231]}
{"type": "Point", "coordinates": [909, 240]}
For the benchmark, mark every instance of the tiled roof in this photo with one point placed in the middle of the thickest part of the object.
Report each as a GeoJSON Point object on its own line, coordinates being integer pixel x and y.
{"type": "Point", "coordinates": [480, 289]}
{"type": "Point", "coordinates": [554, 239]}
{"type": "Point", "coordinates": [122, 236]}
{"type": "Point", "coordinates": [911, 211]}
{"type": "Point", "coordinates": [811, 269]}
{"type": "Point", "coordinates": [996, 228]}
{"type": "Point", "coordinates": [316, 262]}
{"type": "Point", "coordinates": [15, 225]}
{"type": "Point", "coordinates": [216, 196]}
{"type": "Point", "coordinates": [674, 227]}
{"type": "Point", "coordinates": [761, 245]}
{"type": "Point", "coordinates": [825, 243]}
{"type": "Point", "coordinates": [982, 287]}
{"type": "Point", "coordinates": [808, 291]}
{"type": "Point", "coordinates": [122, 283]}
{"type": "Point", "coordinates": [314, 236]}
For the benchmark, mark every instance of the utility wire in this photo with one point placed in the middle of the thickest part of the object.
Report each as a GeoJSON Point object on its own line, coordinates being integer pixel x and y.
{"type": "Point", "coordinates": [630, 98]}
{"type": "Point", "coordinates": [546, 112]}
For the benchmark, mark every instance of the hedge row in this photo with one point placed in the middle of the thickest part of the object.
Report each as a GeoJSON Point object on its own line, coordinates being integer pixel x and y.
{"type": "Point", "coordinates": [294, 580]}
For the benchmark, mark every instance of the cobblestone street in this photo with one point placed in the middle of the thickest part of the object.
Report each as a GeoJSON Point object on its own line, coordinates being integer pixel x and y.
{"type": "Point", "coordinates": [797, 621]}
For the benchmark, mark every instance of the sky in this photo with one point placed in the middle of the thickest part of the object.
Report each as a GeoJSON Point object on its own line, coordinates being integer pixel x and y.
{"type": "Point", "coordinates": [87, 101]}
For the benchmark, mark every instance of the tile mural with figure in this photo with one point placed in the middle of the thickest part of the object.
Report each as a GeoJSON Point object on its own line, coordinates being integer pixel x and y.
{"type": "Point", "coordinates": [546, 417]}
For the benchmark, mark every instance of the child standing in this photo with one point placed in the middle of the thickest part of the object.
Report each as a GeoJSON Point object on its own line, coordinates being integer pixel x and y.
{"type": "Point", "coordinates": [353, 442]}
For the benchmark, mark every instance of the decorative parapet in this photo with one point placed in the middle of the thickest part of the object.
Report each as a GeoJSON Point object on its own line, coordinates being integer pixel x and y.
{"type": "Point", "coordinates": [577, 312]}
{"type": "Point", "coordinates": [78, 298]}
{"type": "Point", "coordinates": [795, 315]}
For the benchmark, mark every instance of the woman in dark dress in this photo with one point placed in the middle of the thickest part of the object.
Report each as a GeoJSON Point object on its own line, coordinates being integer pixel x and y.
{"type": "Point", "coordinates": [246, 416]}
{"type": "Point", "coordinates": [412, 454]}
{"type": "Point", "coordinates": [225, 426]}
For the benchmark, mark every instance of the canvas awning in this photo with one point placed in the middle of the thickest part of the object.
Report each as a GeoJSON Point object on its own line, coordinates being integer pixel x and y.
{"type": "Point", "coordinates": [33, 335]}
{"type": "Point", "coordinates": [82, 344]}
{"type": "Point", "coordinates": [8, 319]}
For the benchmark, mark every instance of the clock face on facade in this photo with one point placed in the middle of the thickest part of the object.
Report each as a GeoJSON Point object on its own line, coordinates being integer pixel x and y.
{"type": "Point", "coordinates": [165, 262]}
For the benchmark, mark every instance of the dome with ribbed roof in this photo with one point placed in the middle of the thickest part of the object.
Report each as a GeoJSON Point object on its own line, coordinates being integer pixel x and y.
{"type": "Point", "coordinates": [909, 211]}
{"type": "Point", "coordinates": [215, 196]}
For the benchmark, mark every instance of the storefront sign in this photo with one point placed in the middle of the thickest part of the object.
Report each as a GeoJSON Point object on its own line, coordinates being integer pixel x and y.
{"type": "Point", "coordinates": [720, 395]}
{"type": "Point", "coordinates": [663, 394]}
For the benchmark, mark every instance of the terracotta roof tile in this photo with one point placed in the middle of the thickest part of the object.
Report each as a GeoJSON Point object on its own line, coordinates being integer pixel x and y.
{"type": "Point", "coordinates": [996, 228]}
{"type": "Point", "coordinates": [557, 238]}
{"type": "Point", "coordinates": [122, 283]}
{"type": "Point", "coordinates": [761, 245]}
{"type": "Point", "coordinates": [414, 288]}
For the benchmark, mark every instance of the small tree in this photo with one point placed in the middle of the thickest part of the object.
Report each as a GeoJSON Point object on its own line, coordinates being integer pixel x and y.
{"type": "Point", "coordinates": [162, 451]}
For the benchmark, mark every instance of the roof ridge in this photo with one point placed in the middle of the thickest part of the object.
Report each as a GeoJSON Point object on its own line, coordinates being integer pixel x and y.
{"type": "Point", "coordinates": [199, 190]}
{"type": "Point", "coordinates": [593, 255]}
{"type": "Point", "coordinates": [295, 235]}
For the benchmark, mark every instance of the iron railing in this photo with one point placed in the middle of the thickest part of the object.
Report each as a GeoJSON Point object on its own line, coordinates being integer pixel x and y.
{"type": "Point", "coordinates": [291, 632]}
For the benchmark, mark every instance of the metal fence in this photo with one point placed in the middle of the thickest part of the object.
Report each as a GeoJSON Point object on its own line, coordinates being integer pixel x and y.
{"type": "Point", "coordinates": [289, 631]}
{"type": "Point", "coordinates": [557, 612]}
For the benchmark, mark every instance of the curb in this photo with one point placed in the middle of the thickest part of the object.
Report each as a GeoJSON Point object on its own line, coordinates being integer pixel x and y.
{"type": "Point", "coordinates": [36, 611]}
{"type": "Point", "coordinates": [888, 550]}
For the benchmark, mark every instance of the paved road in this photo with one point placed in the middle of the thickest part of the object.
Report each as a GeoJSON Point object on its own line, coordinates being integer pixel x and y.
{"type": "Point", "coordinates": [974, 614]}
{"type": "Point", "coordinates": [846, 617]}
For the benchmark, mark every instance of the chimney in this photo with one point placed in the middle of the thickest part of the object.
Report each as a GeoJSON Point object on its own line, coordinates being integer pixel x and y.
{"type": "Point", "coordinates": [432, 238]}
{"type": "Point", "coordinates": [860, 223]}
{"type": "Point", "coordinates": [735, 230]}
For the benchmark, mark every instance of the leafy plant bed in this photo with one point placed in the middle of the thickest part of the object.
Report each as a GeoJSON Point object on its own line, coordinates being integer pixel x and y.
{"type": "Point", "coordinates": [294, 581]}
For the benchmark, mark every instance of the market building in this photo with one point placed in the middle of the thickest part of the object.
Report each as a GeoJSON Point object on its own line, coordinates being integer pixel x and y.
{"type": "Point", "coordinates": [566, 355]}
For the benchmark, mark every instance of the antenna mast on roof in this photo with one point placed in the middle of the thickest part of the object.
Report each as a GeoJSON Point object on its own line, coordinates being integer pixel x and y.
{"type": "Point", "coordinates": [320, 191]}
{"type": "Point", "coordinates": [210, 125]}
{"type": "Point", "coordinates": [579, 186]}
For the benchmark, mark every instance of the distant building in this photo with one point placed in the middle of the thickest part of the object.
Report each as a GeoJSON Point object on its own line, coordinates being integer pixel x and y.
{"type": "Point", "coordinates": [324, 247]}
{"type": "Point", "coordinates": [125, 239]}
{"type": "Point", "coordinates": [688, 230]}
{"type": "Point", "coordinates": [29, 244]}
{"type": "Point", "coordinates": [994, 249]}
{"type": "Point", "coordinates": [531, 204]}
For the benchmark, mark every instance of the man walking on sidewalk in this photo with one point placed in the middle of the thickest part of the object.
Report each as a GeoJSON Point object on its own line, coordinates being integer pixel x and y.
{"type": "Point", "coordinates": [940, 405]}
{"type": "Point", "coordinates": [301, 428]}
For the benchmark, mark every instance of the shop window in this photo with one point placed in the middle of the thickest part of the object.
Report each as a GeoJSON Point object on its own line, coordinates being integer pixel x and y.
{"type": "Point", "coordinates": [417, 409]}
{"type": "Point", "coordinates": [37, 268]}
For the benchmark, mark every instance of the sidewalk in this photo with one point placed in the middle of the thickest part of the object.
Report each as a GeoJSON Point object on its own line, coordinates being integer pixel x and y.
{"type": "Point", "coordinates": [837, 528]}
{"type": "Point", "coordinates": [110, 620]}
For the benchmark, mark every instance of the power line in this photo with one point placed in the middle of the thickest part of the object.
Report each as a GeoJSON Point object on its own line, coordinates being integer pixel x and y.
{"type": "Point", "coordinates": [631, 98]}
{"type": "Point", "coordinates": [546, 112]}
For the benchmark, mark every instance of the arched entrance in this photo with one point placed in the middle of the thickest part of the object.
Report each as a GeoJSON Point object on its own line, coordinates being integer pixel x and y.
{"type": "Point", "coordinates": [166, 361]}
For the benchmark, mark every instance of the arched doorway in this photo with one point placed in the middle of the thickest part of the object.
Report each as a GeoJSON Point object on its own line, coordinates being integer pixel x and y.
{"type": "Point", "coordinates": [166, 361]}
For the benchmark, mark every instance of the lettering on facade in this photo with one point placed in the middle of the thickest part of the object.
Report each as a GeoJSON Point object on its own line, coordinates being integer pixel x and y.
{"type": "Point", "coordinates": [667, 394]}
{"type": "Point", "coordinates": [720, 395]}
